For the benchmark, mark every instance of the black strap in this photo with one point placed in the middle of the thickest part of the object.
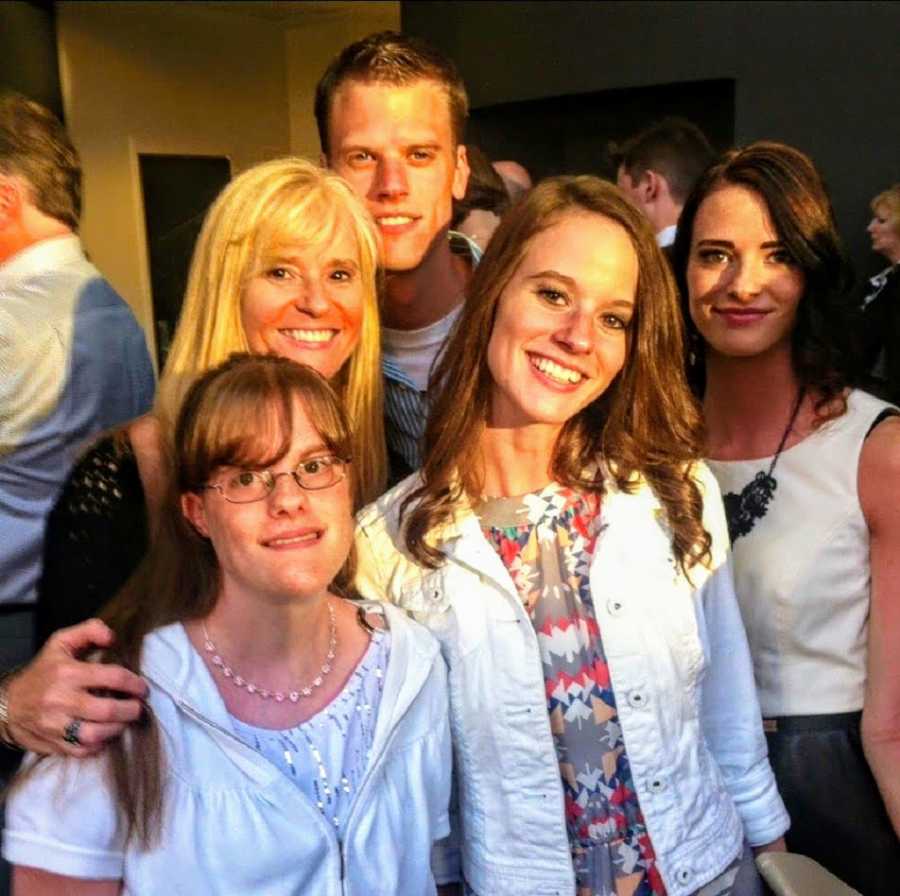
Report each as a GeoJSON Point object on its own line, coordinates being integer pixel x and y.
{"type": "Point", "coordinates": [887, 412]}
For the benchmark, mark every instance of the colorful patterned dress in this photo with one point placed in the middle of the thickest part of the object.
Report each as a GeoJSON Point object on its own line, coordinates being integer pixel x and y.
{"type": "Point", "coordinates": [546, 540]}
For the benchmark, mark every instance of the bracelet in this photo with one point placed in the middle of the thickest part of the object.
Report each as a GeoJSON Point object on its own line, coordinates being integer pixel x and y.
{"type": "Point", "coordinates": [5, 733]}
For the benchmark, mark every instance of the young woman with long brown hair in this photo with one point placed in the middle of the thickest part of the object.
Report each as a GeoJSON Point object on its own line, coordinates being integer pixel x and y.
{"type": "Point", "coordinates": [810, 471]}
{"type": "Point", "coordinates": [568, 549]}
{"type": "Point", "coordinates": [294, 744]}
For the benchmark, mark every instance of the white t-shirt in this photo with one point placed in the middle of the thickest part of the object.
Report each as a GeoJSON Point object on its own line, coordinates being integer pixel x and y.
{"type": "Point", "coordinates": [414, 351]}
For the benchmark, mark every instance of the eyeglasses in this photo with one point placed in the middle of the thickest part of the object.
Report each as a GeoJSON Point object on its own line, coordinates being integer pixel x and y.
{"type": "Point", "coordinates": [312, 475]}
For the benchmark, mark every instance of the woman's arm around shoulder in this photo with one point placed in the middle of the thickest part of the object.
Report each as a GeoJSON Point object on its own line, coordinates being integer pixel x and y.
{"type": "Point", "coordinates": [57, 687]}
{"type": "Point", "coordinates": [879, 495]}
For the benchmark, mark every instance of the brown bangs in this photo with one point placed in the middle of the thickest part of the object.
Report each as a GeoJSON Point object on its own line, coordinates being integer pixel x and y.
{"type": "Point", "coordinates": [246, 418]}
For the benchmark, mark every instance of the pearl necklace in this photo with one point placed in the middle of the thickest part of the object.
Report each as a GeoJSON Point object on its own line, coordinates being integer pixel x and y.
{"type": "Point", "coordinates": [266, 693]}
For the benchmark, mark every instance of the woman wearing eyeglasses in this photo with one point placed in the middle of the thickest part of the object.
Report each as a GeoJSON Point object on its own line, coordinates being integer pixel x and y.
{"type": "Point", "coordinates": [293, 745]}
{"type": "Point", "coordinates": [285, 264]}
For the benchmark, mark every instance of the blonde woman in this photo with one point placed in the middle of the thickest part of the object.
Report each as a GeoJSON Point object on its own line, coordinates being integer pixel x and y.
{"type": "Point", "coordinates": [881, 301]}
{"type": "Point", "coordinates": [285, 264]}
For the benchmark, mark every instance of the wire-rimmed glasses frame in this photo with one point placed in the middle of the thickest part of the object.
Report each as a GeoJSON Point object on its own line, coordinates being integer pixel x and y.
{"type": "Point", "coordinates": [312, 474]}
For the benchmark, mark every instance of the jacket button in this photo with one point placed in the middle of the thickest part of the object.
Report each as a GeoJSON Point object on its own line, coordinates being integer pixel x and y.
{"type": "Point", "coordinates": [636, 699]}
{"type": "Point", "coordinates": [614, 606]}
{"type": "Point", "coordinates": [682, 875]}
{"type": "Point", "coordinates": [657, 785]}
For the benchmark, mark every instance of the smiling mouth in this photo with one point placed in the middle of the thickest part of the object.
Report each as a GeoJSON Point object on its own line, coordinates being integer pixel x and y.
{"type": "Point", "coordinates": [395, 220]}
{"type": "Point", "coordinates": [310, 337]}
{"type": "Point", "coordinates": [289, 540]}
{"type": "Point", "coordinates": [556, 372]}
{"type": "Point", "coordinates": [742, 312]}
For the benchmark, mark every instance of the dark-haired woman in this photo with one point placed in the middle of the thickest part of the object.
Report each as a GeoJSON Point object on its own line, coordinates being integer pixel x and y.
{"type": "Point", "coordinates": [295, 746]}
{"type": "Point", "coordinates": [810, 472]}
{"type": "Point", "coordinates": [568, 550]}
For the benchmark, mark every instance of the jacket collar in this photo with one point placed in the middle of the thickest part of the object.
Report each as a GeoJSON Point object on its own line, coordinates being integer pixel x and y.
{"type": "Point", "coordinates": [624, 513]}
{"type": "Point", "coordinates": [464, 521]}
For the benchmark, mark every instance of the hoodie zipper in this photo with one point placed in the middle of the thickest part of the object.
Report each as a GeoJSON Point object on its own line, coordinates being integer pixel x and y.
{"type": "Point", "coordinates": [249, 752]}
{"type": "Point", "coordinates": [375, 763]}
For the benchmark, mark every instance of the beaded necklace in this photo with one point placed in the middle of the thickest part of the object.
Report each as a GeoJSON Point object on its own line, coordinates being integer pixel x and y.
{"type": "Point", "coordinates": [266, 693]}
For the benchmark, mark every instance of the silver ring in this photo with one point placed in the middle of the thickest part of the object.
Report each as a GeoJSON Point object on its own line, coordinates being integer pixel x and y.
{"type": "Point", "coordinates": [70, 735]}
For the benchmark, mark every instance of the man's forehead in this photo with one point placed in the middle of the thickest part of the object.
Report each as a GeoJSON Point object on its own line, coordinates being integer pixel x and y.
{"type": "Point", "coordinates": [414, 112]}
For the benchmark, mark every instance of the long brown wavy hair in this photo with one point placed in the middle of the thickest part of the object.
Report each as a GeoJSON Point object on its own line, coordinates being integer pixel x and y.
{"type": "Point", "coordinates": [646, 424]}
{"type": "Point", "coordinates": [239, 413]}
{"type": "Point", "coordinates": [825, 353]}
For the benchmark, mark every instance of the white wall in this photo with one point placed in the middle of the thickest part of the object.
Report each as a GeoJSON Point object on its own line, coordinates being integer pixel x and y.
{"type": "Point", "coordinates": [161, 77]}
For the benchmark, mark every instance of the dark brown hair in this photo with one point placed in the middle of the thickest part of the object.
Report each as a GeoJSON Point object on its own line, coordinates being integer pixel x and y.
{"type": "Point", "coordinates": [239, 413]}
{"type": "Point", "coordinates": [389, 57]}
{"type": "Point", "coordinates": [673, 147]}
{"type": "Point", "coordinates": [646, 422]}
{"type": "Point", "coordinates": [35, 146]}
{"type": "Point", "coordinates": [824, 353]}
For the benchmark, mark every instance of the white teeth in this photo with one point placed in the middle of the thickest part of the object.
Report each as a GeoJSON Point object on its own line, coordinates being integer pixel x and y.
{"type": "Point", "coordinates": [394, 220]}
{"type": "Point", "coordinates": [297, 539]}
{"type": "Point", "coordinates": [310, 335]}
{"type": "Point", "coordinates": [556, 371]}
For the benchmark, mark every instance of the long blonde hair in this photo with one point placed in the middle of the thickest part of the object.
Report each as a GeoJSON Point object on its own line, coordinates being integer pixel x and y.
{"type": "Point", "coordinates": [285, 200]}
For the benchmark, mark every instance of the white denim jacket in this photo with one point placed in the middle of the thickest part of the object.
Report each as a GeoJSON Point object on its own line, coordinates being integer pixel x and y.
{"type": "Point", "coordinates": [235, 824]}
{"type": "Point", "coordinates": [681, 673]}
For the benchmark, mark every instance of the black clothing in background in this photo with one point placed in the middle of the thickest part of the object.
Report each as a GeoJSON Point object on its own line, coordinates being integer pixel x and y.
{"type": "Point", "coordinates": [881, 339]}
{"type": "Point", "coordinates": [96, 536]}
{"type": "Point", "coordinates": [851, 836]}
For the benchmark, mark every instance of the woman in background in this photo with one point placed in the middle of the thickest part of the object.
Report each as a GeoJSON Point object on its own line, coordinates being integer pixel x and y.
{"type": "Point", "coordinates": [568, 549]}
{"type": "Point", "coordinates": [881, 302]}
{"type": "Point", "coordinates": [285, 264]}
{"type": "Point", "coordinates": [810, 471]}
{"type": "Point", "coordinates": [295, 743]}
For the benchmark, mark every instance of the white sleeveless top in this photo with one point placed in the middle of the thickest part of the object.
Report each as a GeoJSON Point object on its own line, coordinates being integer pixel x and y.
{"type": "Point", "coordinates": [802, 573]}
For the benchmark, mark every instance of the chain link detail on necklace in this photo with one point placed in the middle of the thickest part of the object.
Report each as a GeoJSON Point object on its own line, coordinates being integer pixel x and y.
{"type": "Point", "coordinates": [266, 693]}
{"type": "Point", "coordinates": [743, 510]}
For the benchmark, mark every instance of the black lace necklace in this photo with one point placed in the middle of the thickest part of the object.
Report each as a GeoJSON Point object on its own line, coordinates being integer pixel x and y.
{"type": "Point", "coordinates": [744, 509]}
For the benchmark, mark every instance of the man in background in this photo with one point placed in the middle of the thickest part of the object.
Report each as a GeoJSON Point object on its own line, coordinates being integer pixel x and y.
{"type": "Point", "coordinates": [515, 177]}
{"type": "Point", "coordinates": [73, 359]}
{"type": "Point", "coordinates": [391, 113]}
{"type": "Point", "coordinates": [658, 168]}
